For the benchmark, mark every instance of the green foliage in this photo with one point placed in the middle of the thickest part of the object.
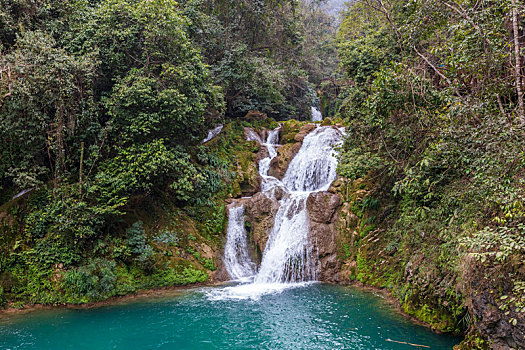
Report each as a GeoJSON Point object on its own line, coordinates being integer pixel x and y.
{"type": "Point", "coordinates": [48, 98]}
{"type": "Point", "coordinates": [93, 281]}
{"type": "Point", "coordinates": [139, 169]}
{"type": "Point", "coordinates": [136, 241]}
{"type": "Point", "coordinates": [355, 164]}
{"type": "Point", "coordinates": [499, 243]}
{"type": "Point", "coordinates": [257, 54]}
{"type": "Point", "coordinates": [365, 44]}
{"type": "Point", "coordinates": [431, 114]}
{"type": "Point", "coordinates": [168, 237]}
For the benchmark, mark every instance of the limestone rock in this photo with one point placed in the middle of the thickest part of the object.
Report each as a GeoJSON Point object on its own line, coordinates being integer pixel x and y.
{"type": "Point", "coordinates": [260, 213]}
{"type": "Point", "coordinates": [322, 206]}
{"type": "Point", "coordinates": [285, 154]}
{"type": "Point", "coordinates": [305, 130]}
{"type": "Point", "coordinates": [288, 151]}
{"type": "Point", "coordinates": [323, 213]}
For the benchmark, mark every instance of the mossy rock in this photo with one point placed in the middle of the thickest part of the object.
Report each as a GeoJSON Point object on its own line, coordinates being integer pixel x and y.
{"type": "Point", "coordinates": [290, 128]}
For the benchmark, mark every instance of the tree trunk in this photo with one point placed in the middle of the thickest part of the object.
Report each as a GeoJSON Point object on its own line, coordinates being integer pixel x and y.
{"type": "Point", "coordinates": [517, 58]}
{"type": "Point", "coordinates": [81, 167]}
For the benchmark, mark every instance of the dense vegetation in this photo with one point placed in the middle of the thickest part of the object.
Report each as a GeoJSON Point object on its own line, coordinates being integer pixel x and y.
{"type": "Point", "coordinates": [434, 108]}
{"type": "Point", "coordinates": [103, 106]}
{"type": "Point", "coordinates": [105, 187]}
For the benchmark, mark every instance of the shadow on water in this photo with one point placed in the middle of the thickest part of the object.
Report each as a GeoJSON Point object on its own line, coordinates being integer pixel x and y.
{"type": "Point", "coordinates": [315, 316]}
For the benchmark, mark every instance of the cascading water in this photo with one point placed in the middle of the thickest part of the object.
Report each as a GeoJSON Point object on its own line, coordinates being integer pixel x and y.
{"type": "Point", "coordinates": [288, 257]}
{"type": "Point", "coordinates": [313, 169]}
{"type": "Point", "coordinates": [236, 258]}
{"type": "Point", "coordinates": [317, 116]}
{"type": "Point", "coordinates": [288, 254]}
{"type": "Point", "coordinates": [213, 132]}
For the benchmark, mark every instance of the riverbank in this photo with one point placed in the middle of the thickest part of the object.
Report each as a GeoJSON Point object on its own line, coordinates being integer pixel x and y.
{"type": "Point", "coordinates": [116, 300]}
{"type": "Point", "coordinates": [164, 292]}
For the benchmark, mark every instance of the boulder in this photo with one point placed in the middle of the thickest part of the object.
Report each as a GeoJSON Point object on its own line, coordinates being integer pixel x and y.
{"type": "Point", "coordinates": [322, 207]}
{"type": "Point", "coordinates": [305, 130]}
{"type": "Point", "coordinates": [259, 216]}
{"type": "Point", "coordinates": [285, 154]}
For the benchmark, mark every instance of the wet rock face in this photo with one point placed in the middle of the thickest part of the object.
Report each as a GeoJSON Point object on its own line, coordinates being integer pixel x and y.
{"type": "Point", "coordinates": [250, 179]}
{"type": "Point", "coordinates": [259, 213]}
{"type": "Point", "coordinates": [323, 208]}
{"type": "Point", "coordinates": [490, 320]}
{"type": "Point", "coordinates": [286, 152]}
{"type": "Point", "coordinates": [305, 130]}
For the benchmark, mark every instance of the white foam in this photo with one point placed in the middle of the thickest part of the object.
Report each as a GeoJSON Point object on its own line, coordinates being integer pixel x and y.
{"type": "Point", "coordinates": [317, 116]}
{"type": "Point", "coordinates": [251, 291]}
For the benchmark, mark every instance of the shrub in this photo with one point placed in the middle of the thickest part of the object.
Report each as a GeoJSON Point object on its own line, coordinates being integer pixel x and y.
{"type": "Point", "coordinates": [93, 281]}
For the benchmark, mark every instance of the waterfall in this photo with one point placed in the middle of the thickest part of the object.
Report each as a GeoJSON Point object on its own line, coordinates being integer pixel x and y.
{"type": "Point", "coordinates": [288, 257]}
{"type": "Point", "coordinates": [317, 116]}
{"type": "Point", "coordinates": [213, 132]}
{"type": "Point", "coordinates": [314, 168]}
{"type": "Point", "coordinates": [288, 254]}
{"type": "Point", "coordinates": [236, 258]}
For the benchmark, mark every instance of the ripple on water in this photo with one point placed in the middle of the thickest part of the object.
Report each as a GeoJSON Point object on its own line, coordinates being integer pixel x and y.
{"type": "Point", "coordinates": [313, 316]}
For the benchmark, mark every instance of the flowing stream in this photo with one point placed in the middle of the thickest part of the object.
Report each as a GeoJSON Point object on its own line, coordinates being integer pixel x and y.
{"type": "Point", "coordinates": [317, 116]}
{"type": "Point", "coordinates": [288, 259]}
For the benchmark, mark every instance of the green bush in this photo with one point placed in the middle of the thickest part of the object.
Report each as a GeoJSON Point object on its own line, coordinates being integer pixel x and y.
{"type": "Point", "coordinates": [93, 281]}
{"type": "Point", "coordinates": [136, 241]}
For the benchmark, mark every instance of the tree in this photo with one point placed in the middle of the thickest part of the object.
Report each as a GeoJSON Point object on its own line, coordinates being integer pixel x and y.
{"type": "Point", "coordinates": [518, 61]}
{"type": "Point", "coordinates": [49, 100]}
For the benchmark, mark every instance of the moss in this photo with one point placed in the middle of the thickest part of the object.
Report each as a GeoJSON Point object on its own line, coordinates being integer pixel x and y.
{"type": "Point", "coordinates": [132, 279]}
{"type": "Point", "coordinates": [440, 318]}
{"type": "Point", "coordinates": [437, 318]}
{"type": "Point", "coordinates": [473, 341]}
{"type": "Point", "coordinates": [290, 129]}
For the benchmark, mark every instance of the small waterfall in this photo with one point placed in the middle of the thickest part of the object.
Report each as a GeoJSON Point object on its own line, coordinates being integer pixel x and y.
{"type": "Point", "coordinates": [270, 144]}
{"type": "Point", "coordinates": [236, 258]}
{"type": "Point", "coordinates": [288, 256]}
{"type": "Point", "coordinates": [317, 116]}
{"type": "Point", "coordinates": [314, 167]}
{"type": "Point", "coordinates": [213, 132]}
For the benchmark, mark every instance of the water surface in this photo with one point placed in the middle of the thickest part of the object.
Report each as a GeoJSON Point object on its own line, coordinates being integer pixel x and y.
{"type": "Point", "coordinates": [315, 316]}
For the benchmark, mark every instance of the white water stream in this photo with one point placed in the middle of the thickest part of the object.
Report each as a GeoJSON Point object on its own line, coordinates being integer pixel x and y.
{"type": "Point", "coordinates": [288, 259]}
{"type": "Point", "coordinates": [317, 116]}
{"type": "Point", "coordinates": [213, 132]}
{"type": "Point", "coordinates": [236, 256]}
